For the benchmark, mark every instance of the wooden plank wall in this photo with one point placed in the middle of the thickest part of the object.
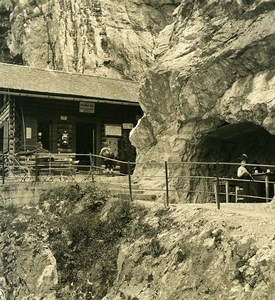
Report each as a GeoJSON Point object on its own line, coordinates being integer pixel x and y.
{"type": "Point", "coordinates": [35, 109]}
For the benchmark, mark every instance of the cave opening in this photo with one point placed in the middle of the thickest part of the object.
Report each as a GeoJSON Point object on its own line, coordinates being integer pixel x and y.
{"type": "Point", "coordinates": [229, 141]}
{"type": "Point", "coordinates": [226, 144]}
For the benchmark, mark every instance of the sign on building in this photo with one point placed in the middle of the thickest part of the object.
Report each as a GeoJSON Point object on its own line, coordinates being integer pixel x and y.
{"type": "Point", "coordinates": [112, 130]}
{"type": "Point", "coordinates": [87, 107]}
{"type": "Point", "coordinates": [127, 125]}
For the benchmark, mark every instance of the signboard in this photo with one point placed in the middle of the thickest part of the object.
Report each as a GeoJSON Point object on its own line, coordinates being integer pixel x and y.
{"type": "Point", "coordinates": [87, 107]}
{"type": "Point", "coordinates": [28, 132]}
{"type": "Point", "coordinates": [127, 126]}
{"type": "Point", "coordinates": [113, 130]}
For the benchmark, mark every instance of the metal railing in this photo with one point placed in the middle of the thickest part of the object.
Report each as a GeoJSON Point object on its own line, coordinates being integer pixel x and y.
{"type": "Point", "coordinates": [195, 182]}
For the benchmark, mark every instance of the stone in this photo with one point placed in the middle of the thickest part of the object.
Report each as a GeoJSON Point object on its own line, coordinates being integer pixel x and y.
{"type": "Point", "coordinates": [109, 38]}
{"type": "Point", "coordinates": [214, 67]}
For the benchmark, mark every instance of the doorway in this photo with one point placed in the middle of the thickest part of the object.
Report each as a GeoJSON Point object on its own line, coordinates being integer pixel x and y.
{"type": "Point", "coordinates": [45, 134]}
{"type": "Point", "coordinates": [85, 142]}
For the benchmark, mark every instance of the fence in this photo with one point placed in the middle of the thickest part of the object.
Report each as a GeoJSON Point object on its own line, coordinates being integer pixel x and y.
{"type": "Point", "coordinates": [191, 181]}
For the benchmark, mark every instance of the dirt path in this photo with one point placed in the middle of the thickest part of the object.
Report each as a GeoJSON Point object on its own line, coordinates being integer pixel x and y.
{"type": "Point", "coordinates": [255, 221]}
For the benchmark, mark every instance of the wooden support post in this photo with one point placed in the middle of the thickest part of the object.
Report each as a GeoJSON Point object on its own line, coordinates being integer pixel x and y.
{"type": "Point", "coordinates": [91, 167]}
{"type": "Point", "coordinates": [266, 188]}
{"type": "Point", "coordinates": [166, 184]}
{"type": "Point", "coordinates": [218, 185]}
{"type": "Point", "coordinates": [36, 168]}
{"type": "Point", "coordinates": [50, 164]}
{"type": "Point", "coordinates": [130, 182]}
{"type": "Point", "coordinates": [215, 190]}
{"type": "Point", "coordinates": [227, 191]}
{"type": "Point", "coordinates": [3, 168]}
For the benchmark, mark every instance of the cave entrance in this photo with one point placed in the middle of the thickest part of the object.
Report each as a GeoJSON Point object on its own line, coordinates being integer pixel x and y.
{"type": "Point", "coordinates": [226, 144]}
{"type": "Point", "coordinates": [229, 141]}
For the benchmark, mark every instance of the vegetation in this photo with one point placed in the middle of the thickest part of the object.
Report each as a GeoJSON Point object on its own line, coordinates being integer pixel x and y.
{"type": "Point", "coordinates": [87, 226]}
{"type": "Point", "coordinates": [84, 227]}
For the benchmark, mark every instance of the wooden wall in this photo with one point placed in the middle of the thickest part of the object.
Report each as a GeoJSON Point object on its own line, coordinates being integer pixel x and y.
{"type": "Point", "coordinates": [64, 115]}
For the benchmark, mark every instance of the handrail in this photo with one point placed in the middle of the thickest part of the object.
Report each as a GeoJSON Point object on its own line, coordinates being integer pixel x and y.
{"type": "Point", "coordinates": [194, 178]}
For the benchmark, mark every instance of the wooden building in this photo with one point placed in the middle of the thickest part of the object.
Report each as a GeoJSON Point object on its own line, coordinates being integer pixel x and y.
{"type": "Point", "coordinates": [67, 112]}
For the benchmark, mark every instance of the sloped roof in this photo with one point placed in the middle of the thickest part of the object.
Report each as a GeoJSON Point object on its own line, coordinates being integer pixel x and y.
{"type": "Point", "coordinates": [51, 82]}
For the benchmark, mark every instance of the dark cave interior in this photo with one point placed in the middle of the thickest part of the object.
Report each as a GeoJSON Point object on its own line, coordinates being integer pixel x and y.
{"type": "Point", "coordinates": [229, 141]}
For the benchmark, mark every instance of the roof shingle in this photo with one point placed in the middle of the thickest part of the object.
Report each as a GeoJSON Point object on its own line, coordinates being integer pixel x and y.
{"type": "Point", "coordinates": [28, 79]}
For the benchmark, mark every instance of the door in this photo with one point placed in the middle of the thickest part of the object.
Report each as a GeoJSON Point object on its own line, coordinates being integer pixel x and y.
{"type": "Point", "coordinates": [44, 129]}
{"type": "Point", "coordinates": [85, 142]}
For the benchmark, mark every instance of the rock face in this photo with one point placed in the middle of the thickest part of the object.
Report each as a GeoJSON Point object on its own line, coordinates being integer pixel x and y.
{"type": "Point", "coordinates": [5, 26]}
{"type": "Point", "coordinates": [27, 265]}
{"type": "Point", "coordinates": [82, 243]}
{"type": "Point", "coordinates": [214, 66]}
{"type": "Point", "coordinates": [103, 37]}
{"type": "Point", "coordinates": [211, 64]}
{"type": "Point", "coordinates": [203, 255]}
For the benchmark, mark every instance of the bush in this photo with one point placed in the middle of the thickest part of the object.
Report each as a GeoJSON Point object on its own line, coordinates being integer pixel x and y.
{"type": "Point", "coordinates": [81, 241]}
{"type": "Point", "coordinates": [85, 234]}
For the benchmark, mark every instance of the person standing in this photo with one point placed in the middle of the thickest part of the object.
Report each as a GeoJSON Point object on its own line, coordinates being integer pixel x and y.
{"type": "Point", "coordinates": [108, 155]}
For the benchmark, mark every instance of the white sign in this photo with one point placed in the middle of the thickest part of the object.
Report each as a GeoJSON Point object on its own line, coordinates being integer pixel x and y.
{"type": "Point", "coordinates": [127, 125]}
{"type": "Point", "coordinates": [87, 107]}
{"type": "Point", "coordinates": [113, 130]}
{"type": "Point", "coordinates": [28, 132]}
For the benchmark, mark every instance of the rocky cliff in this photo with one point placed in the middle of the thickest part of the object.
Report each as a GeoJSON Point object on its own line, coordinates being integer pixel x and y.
{"type": "Point", "coordinates": [27, 265]}
{"type": "Point", "coordinates": [101, 37]}
{"type": "Point", "coordinates": [214, 66]}
{"type": "Point", "coordinates": [80, 243]}
{"type": "Point", "coordinates": [211, 65]}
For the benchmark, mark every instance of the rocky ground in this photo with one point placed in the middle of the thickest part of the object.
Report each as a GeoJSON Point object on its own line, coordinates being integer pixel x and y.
{"type": "Point", "coordinates": [203, 253]}
{"type": "Point", "coordinates": [81, 243]}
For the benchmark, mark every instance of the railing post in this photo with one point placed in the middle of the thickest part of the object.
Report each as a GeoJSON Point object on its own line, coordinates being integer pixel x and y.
{"type": "Point", "coordinates": [3, 168]}
{"type": "Point", "coordinates": [218, 184]}
{"type": "Point", "coordinates": [130, 182]}
{"type": "Point", "coordinates": [91, 166]}
{"type": "Point", "coordinates": [50, 164]}
{"type": "Point", "coordinates": [166, 184]}
{"type": "Point", "coordinates": [91, 161]}
{"type": "Point", "coordinates": [36, 167]}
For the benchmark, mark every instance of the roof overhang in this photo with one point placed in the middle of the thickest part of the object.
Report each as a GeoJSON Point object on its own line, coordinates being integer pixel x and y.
{"type": "Point", "coordinates": [66, 98]}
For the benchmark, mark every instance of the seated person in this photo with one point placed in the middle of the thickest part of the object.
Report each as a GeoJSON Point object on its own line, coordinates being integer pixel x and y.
{"type": "Point", "coordinates": [108, 155]}
{"type": "Point", "coordinates": [243, 172]}
{"type": "Point", "coordinates": [250, 188]}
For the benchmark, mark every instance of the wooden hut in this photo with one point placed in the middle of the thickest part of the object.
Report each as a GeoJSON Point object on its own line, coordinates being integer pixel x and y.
{"type": "Point", "coordinates": [67, 112]}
